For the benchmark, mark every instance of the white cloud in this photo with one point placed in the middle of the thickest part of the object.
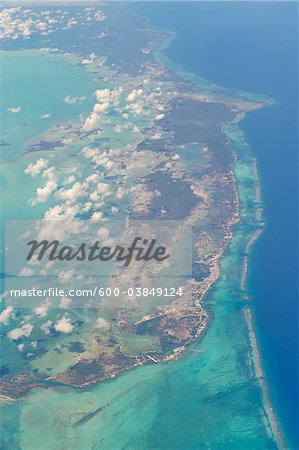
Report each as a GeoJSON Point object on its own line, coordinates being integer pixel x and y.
{"type": "Point", "coordinates": [92, 122]}
{"type": "Point", "coordinates": [102, 324]}
{"type": "Point", "coordinates": [69, 180]}
{"type": "Point", "coordinates": [134, 94]}
{"type": "Point", "coordinates": [35, 169]}
{"type": "Point", "coordinates": [61, 212]}
{"type": "Point", "coordinates": [71, 195]}
{"type": "Point", "coordinates": [117, 128]}
{"type": "Point", "coordinates": [64, 325]}
{"type": "Point", "coordinates": [99, 16]}
{"type": "Point", "coordinates": [96, 217]}
{"type": "Point", "coordinates": [45, 327]}
{"type": "Point", "coordinates": [101, 107]}
{"type": "Point", "coordinates": [26, 272]}
{"type": "Point", "coordinates": [160, 116]}
{"type": "Point", "coordinates": [156, 136]}
{"type": "Point", "coordinates": [89, 60]}
{"type": "Point", "coordinates": [42, 310]}
{"type": "Point", "coordinates": [45, 116]}
{"type": "Point", "coordinates": [65, 276]}
{"type": "Point", "coordinates": [175, 157]}
{"type": "Point", "coordinates": [94, 178]}
{"type": "Point", "coordinates": [103, 233]}
{"type": "Point", "coordinates": [6, 315]}
{"type": "Point", "coordinates": [65, 302]}
{"type": "Point", "coordinates": [87, 207]}
{"type": "Point", "coordinates": [102, 95]}
{"type": "Point", "coordinates": [18, 333]}
{"type": "Point", "coordinates": [102, 188]}
{"type": "Point", "coordinates": [72, 100]}
{"type": "Point", "coordinates": [14, 109]}
{"type": "Point", "coordinates": [44, 192]}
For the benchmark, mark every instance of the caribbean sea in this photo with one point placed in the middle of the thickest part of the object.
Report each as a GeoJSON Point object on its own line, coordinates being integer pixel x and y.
{"type": "Point", "coordinates": [253, 47]}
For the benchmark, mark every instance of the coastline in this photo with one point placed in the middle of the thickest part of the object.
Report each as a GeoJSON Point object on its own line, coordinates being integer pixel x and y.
{"type": "Point", "coordinates": [248, 314]}
{"type": "Point", "coordinates": [247, 311]}
{"type": "Point", "coordinates": [272, 418]}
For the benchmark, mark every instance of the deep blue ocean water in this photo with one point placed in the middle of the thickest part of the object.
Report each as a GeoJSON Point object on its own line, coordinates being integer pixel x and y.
{"type": "Point", "coordinates": [253, 47]}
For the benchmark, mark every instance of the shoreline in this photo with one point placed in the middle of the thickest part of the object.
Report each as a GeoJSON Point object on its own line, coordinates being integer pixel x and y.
{"type": "Point", "coordinates": [247, 312]}
{"type": "Point", "coordinates": [272, 418]}
{"type": "Point", "coordinates": [260, 376]}
{"type": "Point", "coordinates": [249, 315]}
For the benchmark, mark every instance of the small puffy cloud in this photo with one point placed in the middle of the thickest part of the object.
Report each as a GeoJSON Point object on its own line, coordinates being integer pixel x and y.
{"type": "Point", "coordinates": [101, 107]}
{"type": "Point", "coordinates": [102, 188]}
{"type": "Point", "coordinates": [71, 22]}
{"type": "Point", "coordinates": [65, 302]}
{"type": "Point", "coordinates": [87, 207]}
{"type": "Point", "coordinates": [118, 128]}
{"type": "Point", "coordinates": [94, 178]}
{"type": "Point", "coordinates": [98, 158]}
{"type": "Point", "coordinates": [20, 347]}
{"type": "Point", "coordinates": [102, 95]}
{"type": "Point", "coordinates": [89, 60]}
{"type": "Point", "coordinates": [64, 325]}
{"type": "Point", "coordinates": [103, 233]}
{"type": "Point", "coordinates": [90, 153]}
{"type": "Point", "coordinates": [44, 192]}
{"type": "Point", "coordinates": [71, 195]}
{"type": "Point", "coordinates": [175, 157]}
{"type": "Point", "coordinates": [61, 212]}
{"type": "Point", "coordinates": [14, 109]}
{"type": "Point", "coordinates": [102, 324]}
{"type": "Point", "coordinates": [136, 108]}
{"type": "Point", "coordinates": [35, 169]}
{"type": "Point", "coordinates": [26, 272]}
{"type": "Point", "coordinates": [160, 116]}
{"type": "Point", "coordinates": [42, 310]}
{"type": "Point", "coordinates": [131, 97]}
{"type": "Point", "coordinates": [46, 327]}
{"type": "Point", "coordinates": [109, 96]}
{"type": "Point", "coordinates": [96, 216]}
{"type": "Point", "coordinates": [18, 333]}
{"type": "Point", "coordinates": [6, 315]}
{"type": "Point", "coordinates": [99, 16]}
{"type": "Point", "coordinates": [69, 180]}
{"type": "Point", "coordinates": [65, 276]}
{"type": "Point", "coordinates": [72, 100]}
{"type": "Point", "coordinates": [92, 122]}
{"type": "Point", "coordinates": [45, 116]}
{"type": "Point", "coordinates": [156, 136]}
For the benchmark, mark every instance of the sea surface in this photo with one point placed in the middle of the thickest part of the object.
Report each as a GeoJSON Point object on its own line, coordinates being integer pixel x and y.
{"type": "Point", "coordinates": [211, 398]}
{"type": "Point", "coordinates": [253, 47]}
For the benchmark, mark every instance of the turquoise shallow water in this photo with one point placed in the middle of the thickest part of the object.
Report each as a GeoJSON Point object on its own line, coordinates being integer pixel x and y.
{"type": "Point", "coordinates": [51, 75]}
